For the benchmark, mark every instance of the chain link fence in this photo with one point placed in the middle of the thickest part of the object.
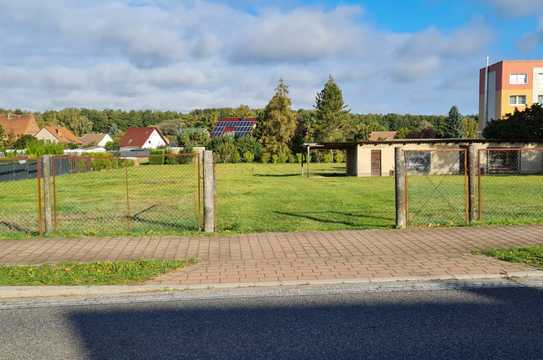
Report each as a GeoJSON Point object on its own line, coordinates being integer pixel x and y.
{"type": "Point", "coordinates": [510, 185]}
{"type": "Point", "coordinates": [436, 184]}
{"type": "Point", "coordinates": [19, 197]}
{"type": "Point", "coordinates": [101, 196]}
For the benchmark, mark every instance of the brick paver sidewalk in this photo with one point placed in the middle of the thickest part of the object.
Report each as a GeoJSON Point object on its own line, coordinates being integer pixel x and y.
{"type": "Point", "coordinates": [275, 257]}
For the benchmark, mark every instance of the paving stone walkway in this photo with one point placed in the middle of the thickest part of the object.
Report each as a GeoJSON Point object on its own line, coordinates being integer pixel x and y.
{"type": "Point", "coordinates": [276, 257]}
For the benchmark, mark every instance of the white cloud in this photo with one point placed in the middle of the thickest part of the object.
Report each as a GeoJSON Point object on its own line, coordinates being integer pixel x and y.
{"type": "Point", "coordinates": [517, 7]}
{"type": "Point", "coordinates": [197, 53]}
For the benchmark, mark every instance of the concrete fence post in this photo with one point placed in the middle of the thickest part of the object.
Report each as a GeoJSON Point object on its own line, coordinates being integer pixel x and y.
{"type": "Point", "coordinates": [47, 196]}
{"type": "Point", "coordinates": [209, 192]}
{"type": "Point", "coordinates": [472, 181]}
{"type": "Point", "coordinates": [400, 188]}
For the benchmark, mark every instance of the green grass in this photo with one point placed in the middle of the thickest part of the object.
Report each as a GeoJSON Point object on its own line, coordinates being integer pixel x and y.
{"type": "Point", "coordinates": [257, 198]}
{"type": "Point", "coordinates": [532, 255]}
{"type": "Point", "coordinates": [99, 273]}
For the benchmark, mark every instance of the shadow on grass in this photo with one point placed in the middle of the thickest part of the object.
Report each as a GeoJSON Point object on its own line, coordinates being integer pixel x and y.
{"type": "Point", "coordinates": [331, 219]}
{"type": "Point", "coordinates": [478, 323]}
{"type": "Point", "coordinates": [18, 228]}
{"type": "Point", "coordinates": [276, 175]}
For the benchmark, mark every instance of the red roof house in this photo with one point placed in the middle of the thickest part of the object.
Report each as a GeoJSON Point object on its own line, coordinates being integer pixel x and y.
{"type": "Point", "coordinates": [19, 125]}
{"type": "Point", "coordinates": [143, 138]}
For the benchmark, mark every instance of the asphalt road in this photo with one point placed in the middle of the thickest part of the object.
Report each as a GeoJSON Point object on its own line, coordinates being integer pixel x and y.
{"type": "Point", "coordinates": [471, 323]}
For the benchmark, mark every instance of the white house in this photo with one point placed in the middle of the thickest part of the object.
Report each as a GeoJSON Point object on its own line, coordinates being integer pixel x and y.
{"type": "Point", "coordinates": [143, 138]}
{"type": "Point", "coordinates": [95, 140]}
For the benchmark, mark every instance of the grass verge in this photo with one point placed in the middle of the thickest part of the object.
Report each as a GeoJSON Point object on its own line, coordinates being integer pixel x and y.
{"type": "Point", "coordinates": [98, 273]}
{"type": "Point", "coordinates": [532, 255]}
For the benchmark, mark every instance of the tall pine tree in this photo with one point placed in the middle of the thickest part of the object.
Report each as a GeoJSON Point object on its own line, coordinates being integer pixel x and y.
{"type": "Point", "coordinates": [453, 124]}
{"type": "Point", "coordinates": [331, 113]}
{"type": "Point", "coordinates": [277, 122]}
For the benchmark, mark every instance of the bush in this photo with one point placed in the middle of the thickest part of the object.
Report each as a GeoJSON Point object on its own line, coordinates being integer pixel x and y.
{"type": "Point", "coordinates": [283, 157]}
{"type": "Point", "coordinates": [248, 156]}
{"type": "Point", "coordinates": [249, 144]}
{"type": "Point", "coordinates": [340, 157]}
{"type": "Point", "coordinates": [275, 158]}
{"type": "Point", "coordinates": [265, 158]}
{"type": "Point", "coordinates": [299, 158]}
{"type": "Point", "coordinates": [40, 148]}
{"type": "Point", "coordinates": [292, 159]}
{"type": "Point", "coordinates": [225, 149]}
{"type": "Point", "coordinates": [328, 157]}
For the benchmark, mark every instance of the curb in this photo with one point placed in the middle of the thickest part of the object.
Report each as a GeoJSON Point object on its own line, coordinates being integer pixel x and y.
{"type": "Point", "coordinates": [12, 293]}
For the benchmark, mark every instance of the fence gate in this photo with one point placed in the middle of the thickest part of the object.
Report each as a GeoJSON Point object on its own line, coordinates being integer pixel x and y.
{"type": "Point", "coordinates": [436, 187]}
{"type": "Point", "coordinates": [510, 185]}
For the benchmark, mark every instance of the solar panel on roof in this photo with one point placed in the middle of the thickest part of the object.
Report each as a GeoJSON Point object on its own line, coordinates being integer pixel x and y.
{"type": "Point", "coordinates": [237, 127]}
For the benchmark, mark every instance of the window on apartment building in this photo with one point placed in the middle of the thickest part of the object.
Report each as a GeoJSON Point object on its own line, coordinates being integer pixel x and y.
{"type": "Point", "coordinates": [517, 100]}
{"type": "Point", "coordinates": [518, 79]}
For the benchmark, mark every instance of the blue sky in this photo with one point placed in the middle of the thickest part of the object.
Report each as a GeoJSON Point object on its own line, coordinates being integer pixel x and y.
{"type": "Point", "coordinates": [408, 56]}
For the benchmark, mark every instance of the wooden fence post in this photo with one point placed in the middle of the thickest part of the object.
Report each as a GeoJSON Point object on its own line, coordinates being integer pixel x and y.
{"type": "Point", "coordinates": [209, 192]}
{"type": "Point", "coordinates": [47, 196]}
{"type": "Point", "coordinates": [400, 190]}
{"type": "Point", "coordinates": [472, 181]}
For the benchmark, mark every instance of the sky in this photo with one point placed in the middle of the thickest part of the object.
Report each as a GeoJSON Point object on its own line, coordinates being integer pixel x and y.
{"type": "Point", "coordinates": [408, 56]}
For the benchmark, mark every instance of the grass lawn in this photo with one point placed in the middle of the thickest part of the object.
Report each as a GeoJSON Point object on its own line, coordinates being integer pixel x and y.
{"type": "Point", "coordinates": [532, 255]}
{"type": "Point", "coordinates": [257, 198]}
{"type": "Point", "coordinates": [99, 273]}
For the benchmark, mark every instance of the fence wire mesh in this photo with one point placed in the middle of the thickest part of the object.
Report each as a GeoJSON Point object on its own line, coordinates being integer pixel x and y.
{"type": "Point", "coordinates": [19, 197]}
{"type": "Point", "coordinates": [510, 185]}
{"type": "Point", "coordinates": [436, 187]}
{"type": "Point", "coordinates": [158, 197]}
{"type": "Point", "coordinates": [101, 195]}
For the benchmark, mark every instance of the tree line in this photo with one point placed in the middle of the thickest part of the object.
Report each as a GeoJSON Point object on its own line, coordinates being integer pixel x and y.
{"type": "Point", "coordinates": [280, 131]}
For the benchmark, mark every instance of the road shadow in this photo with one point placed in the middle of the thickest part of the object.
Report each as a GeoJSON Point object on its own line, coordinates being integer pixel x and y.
{"type": "Point", "coordinates": [499, 323]}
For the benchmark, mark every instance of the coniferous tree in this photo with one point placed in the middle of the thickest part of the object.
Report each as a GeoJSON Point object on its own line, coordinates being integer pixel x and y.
{"type": "Point", "coordinates": [277, 122]}
{"type": "Point", "coordinates": [331, 113]}
{"type": "Point", "coordinates": [453, 124]}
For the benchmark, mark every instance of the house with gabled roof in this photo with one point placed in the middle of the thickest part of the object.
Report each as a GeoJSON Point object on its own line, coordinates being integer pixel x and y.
{"type": "Point", "coordinates": [16, 126]}
{"type": "Point", "coordinates": [143, 138]}
{"type": "Point", "coordinates": [56, 134]}
{"type": "Point", "coordinates": [238, 127]}
{"type": "Point", "coordinates": [95, 140]}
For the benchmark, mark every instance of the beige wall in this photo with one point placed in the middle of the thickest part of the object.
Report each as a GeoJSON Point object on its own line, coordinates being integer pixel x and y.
{"type": "Point", "coordinates": [443, 162]}
{"type": "Point", "coordinates": [45, 135]}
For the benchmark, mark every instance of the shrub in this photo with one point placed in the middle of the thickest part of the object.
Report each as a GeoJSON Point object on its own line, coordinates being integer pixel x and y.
{"type": "Point", "coordinates": [249, 144]}
{"type": "Point", "coordinates": [340, 157]}
{"type": "Point", "coordinates": [39, 148]}
{"type": "Point", "coordinates": [328, 157]}
{"type": "Point", "coordinates": [275, 158]}
{"type": "Point", "coordinates": [283, 157]}
{"type": "Point", "coordinates": [292, 159]}
{"type": "Point", "coordinates": [265, 158]}
{"type": "Point", "coordinates": [299, 158]}
{"type": "Point", "coordinates": [248, 156]}
{"type": "Point", "coordinates": [236, 157]}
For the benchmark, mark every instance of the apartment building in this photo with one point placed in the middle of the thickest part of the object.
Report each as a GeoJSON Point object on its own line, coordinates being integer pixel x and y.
{"type": "Point", "coordinates": [512, 84]}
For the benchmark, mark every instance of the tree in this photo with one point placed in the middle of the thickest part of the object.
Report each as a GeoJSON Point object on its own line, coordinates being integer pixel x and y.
{"type": "Point", "coordinates": [2, 136]}
{"type": "Point", "coordinates": [469, 128]}
{"type": "Point", "coordinates": [524, 125]}
{"type": "Point", "coordinates": [453, 124]}
{"type": "Point", "coordinates": [277, 123]}
{"type": "Point", "coordinates": [331, 113]}
{"type": "Point", "coordinates": [23, 142]}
